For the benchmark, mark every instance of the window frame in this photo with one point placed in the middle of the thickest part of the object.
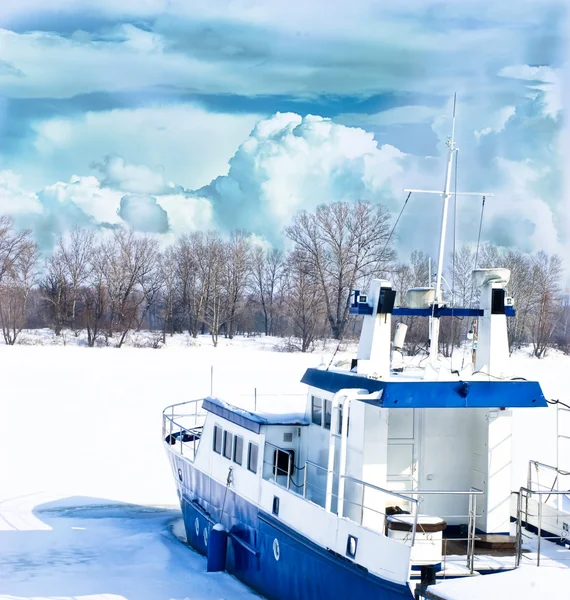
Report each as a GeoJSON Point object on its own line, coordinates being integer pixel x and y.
{"type": "Point", "coordinates": [249, 461]}
{"type": "Point", "coordinates": [319, 411]}
{"type": "Point", "coordinates": [327, 413]}
{"type": "Point", "coordinates": [218, 435]}
{"type": "Point", "coordinates": [227, 448]}
{"type": "Point", "coordinates": [234, 454]}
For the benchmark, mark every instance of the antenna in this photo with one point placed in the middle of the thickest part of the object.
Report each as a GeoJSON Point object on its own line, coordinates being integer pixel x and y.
{"type": "Point", "coordinates": [446, 193]}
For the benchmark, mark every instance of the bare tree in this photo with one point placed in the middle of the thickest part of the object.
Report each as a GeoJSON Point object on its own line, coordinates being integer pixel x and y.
{"type": "Point", "coordinates": [54, 289]}
{"type": "Point", "coordinates": [546, 313]}
{"type": "Point", "coordinates": [305, 299]}
{"type": "Point", "coordinates": [15, 289]}
{"type": "Point", "coordinates": [193, 272]}
{"type": "Point", "coordinates": [93, 295]}
{"type": "Point", "coordinates": [237, 265]}
{"type": "Point", "coordinates": [342, 243]}
{"type": "Point", "coordinates": [168, 275]}
{"type": "Point", "coordinates": [131, 280]}
{"type": "Point", "coordinates": [12, 244]}
{"type": "Point", "coordinates": [211, 270]}
{"type": "Point", "coordinates": [75, 254]}
{"type": "Point", "coordinates": [268, 275]}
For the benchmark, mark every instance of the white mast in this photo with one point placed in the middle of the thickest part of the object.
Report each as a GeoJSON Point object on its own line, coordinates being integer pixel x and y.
{"type": "Point", "coordinates": [438, 301]}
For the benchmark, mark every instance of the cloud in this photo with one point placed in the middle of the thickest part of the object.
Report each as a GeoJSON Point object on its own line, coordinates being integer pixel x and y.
{"type": "Point", "coordinates": [545, 80]}
{"type": "Point", "coordinates": [138, 179]}
{"type": "Point", "coordinates": [183, 143]}
{"type": "Point", "coordinates": [260, 48]}
{"type": "Point", "coordinates": [143, 213]}
{"type": "Point", "coordinates": [100, 204]}
{"type": "Point", "coordinates": [500, 119]}
{"type": "Point", "coordinates": [400, 115]}
{"type": "Point", "coordinates": [290, 163]}
{"type": "Point", "coordinates": [14, 199]}
{"type": "Point", "coordinates": [519, 217]}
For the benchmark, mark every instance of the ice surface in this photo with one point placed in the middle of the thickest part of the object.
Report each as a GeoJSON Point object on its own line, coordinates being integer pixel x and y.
{"type": "Point", "coordinates": [88, 508]}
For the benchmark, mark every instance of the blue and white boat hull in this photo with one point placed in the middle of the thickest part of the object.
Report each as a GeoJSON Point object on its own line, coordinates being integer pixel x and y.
{"type": "Point", "coordinates": [266, 554]}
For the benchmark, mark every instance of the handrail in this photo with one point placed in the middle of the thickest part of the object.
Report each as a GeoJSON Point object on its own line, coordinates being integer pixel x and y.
{"type": "Point", "coordinates": [379, 489]}
{"type": "Point", "coordinates": [473, 491]}
{"type": "Point", "coordinates": [412, 501]}
{"type": "Point", "coordinates": [177, 429]}
{"type": "Point", "coordinates": [527, 492]}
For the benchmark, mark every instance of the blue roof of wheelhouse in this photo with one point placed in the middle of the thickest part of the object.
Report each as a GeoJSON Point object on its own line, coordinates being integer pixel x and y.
{"type": "Point", "coordinates": [433, 394]}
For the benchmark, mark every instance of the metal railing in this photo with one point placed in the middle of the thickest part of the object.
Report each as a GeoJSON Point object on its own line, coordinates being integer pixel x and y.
{"type": "Point", "coordinates": [547, 518]}
{"type": "Point", "coordinates": [472, 516]}
{"type": "Point", "coordinates": [182, 426]}
{"type": "Point", "coordinates": [320, 496]}
{"type": "Point", "coordinates": [414, 498]}
{"type": "Point", "coordinates": [564, 536]}
{"type": "Point", "coordinates": [412, 502]}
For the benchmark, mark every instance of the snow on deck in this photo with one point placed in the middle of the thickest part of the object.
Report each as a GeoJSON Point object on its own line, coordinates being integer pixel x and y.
{"type": "Point", "coordinates": [530, 583]}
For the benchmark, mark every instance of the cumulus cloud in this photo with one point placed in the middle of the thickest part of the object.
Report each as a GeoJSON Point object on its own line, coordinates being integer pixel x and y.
{"type": "Point", "coordinates": [183, 143]}
{"type": "Point", "coordinates": [143, 213]}
{"type": "Point", "coordinates": [137, 179]}
{"type": "Point", "coordinates": [14, 199]}
{"type": "Point", "coordinates": [290, 163]}
{"type": "Point", "coordinates": [94, 203]}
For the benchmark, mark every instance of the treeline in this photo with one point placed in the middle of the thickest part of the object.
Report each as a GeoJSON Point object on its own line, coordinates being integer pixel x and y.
{"type": "Point", "coordinates": [108, 285]}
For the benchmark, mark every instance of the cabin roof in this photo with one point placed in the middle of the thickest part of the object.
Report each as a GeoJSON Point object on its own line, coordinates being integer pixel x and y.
{"type": "Point", "coordinates": [407, 393]}
{"type": "Point", "coordinates": [251, 421]}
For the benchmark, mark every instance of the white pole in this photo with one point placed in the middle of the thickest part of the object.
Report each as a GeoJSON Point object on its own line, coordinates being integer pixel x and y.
{"type": "Point", "coordinates": [434, 342]}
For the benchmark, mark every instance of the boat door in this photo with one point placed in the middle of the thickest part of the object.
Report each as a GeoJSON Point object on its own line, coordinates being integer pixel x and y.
{"type": "Point", "coordinates": [402, 449]}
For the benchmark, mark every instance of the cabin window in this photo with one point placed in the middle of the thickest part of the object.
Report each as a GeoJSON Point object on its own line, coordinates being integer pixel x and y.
{"type": "Point", "coordinates": [218, 435]}
{"type": "Point", "coordinates": [252, 457]}
{"type": "Point", "coordinates": [238, 449]}
{"type": "Point", "coordinates": [328, 413]}
{"type": "Point", "coordinates": [317, 411]}
{"type": "Point", "coordinates": [228, 445]}
{"type": "Point", "coordinates": [281, 462]}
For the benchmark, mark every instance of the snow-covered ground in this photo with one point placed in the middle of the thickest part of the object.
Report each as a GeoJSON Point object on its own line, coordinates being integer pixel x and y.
{"type": "Point", "coordinates": [87, 503]}
{"type": "Point", "coordinates": [86, 495]}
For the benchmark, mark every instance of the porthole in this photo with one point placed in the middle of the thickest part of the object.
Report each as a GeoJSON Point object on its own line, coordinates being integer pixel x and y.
{"type": "Point", "coordinates": [180, 474]}
{"type": "Point", "coordinates": [351, 545]}
{"type": "Point", "coordinates": [197, 526]}
{"type": "Point", "coordinates": [276, 550]}
{"type": "Point", "coordinates": [205, 536]}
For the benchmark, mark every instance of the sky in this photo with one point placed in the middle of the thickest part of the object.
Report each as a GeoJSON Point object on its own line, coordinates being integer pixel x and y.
{"type": "Point", "coordinates": [171, 116]}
